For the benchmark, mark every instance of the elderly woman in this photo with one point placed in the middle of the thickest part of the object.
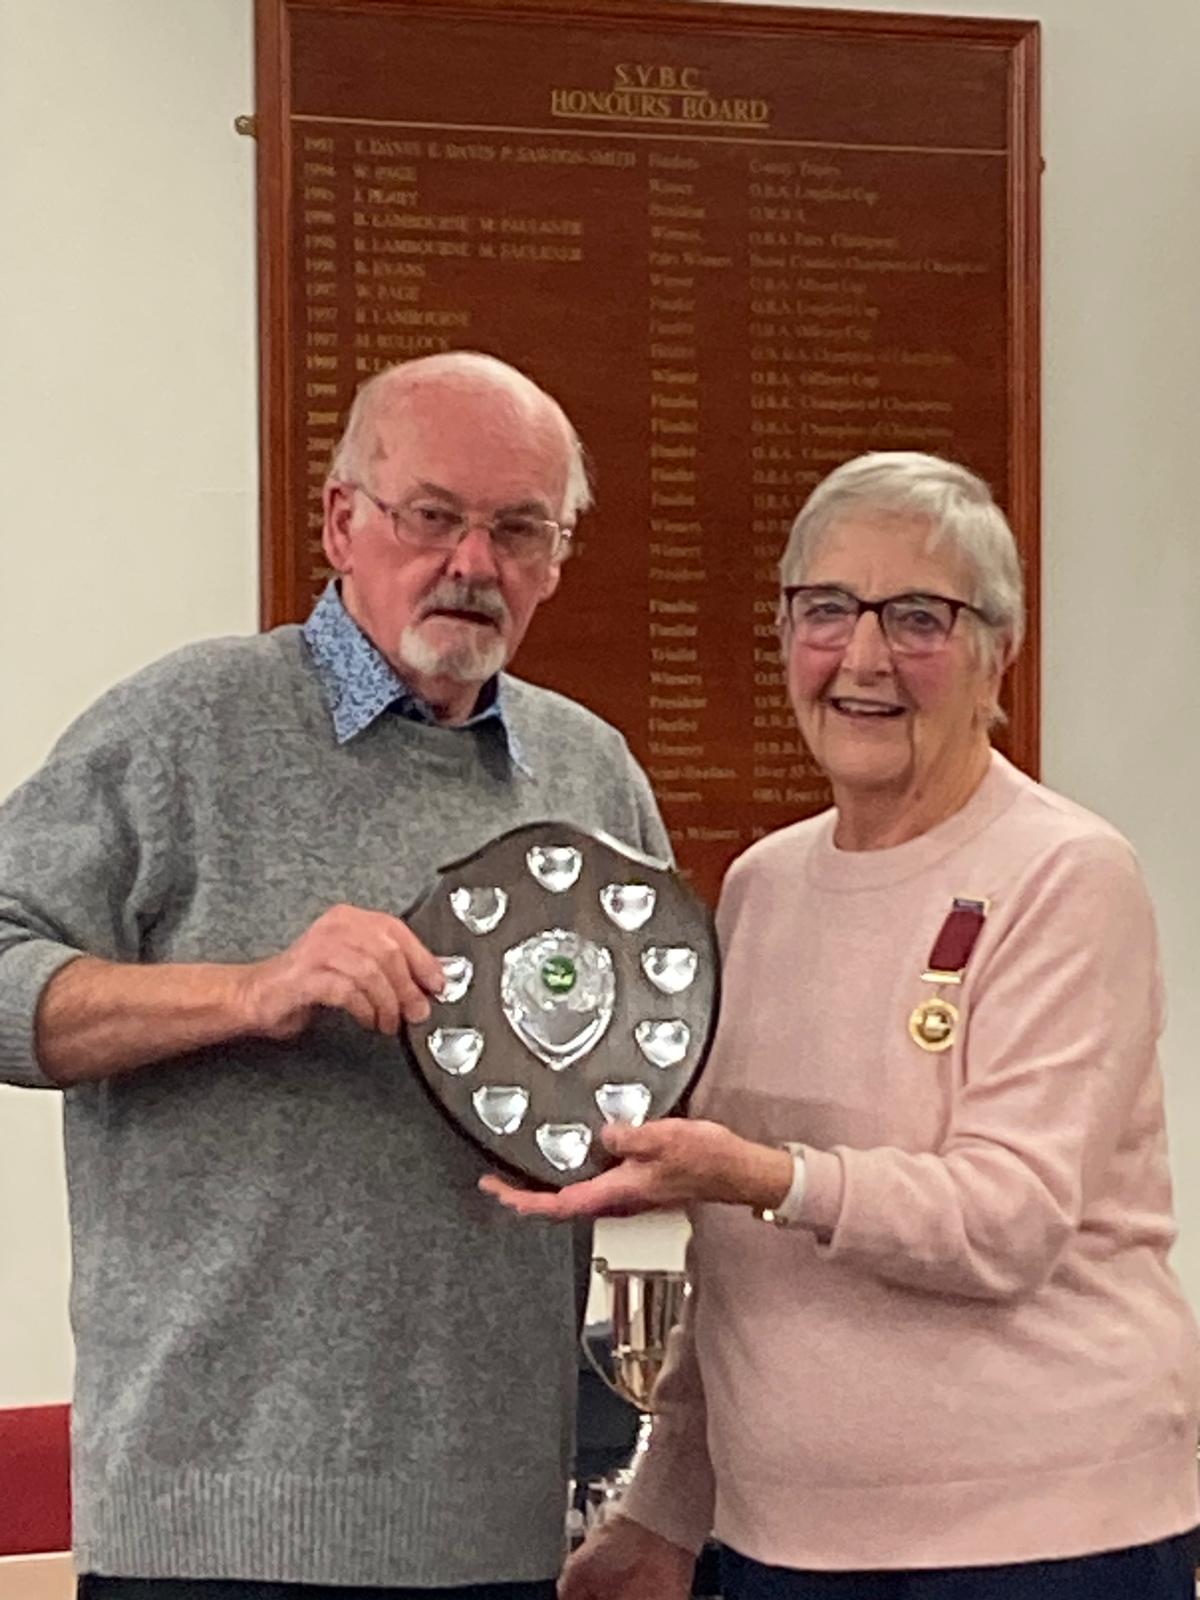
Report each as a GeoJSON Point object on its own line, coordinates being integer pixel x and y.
{"type": "Point", "coordinates": [934, 1349]}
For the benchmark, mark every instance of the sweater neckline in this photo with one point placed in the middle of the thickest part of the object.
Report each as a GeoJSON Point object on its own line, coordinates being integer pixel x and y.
{"type": "Point", "coordinates": [848, 870]}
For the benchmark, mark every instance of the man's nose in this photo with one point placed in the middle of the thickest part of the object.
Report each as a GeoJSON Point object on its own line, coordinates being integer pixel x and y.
{"type": "Point", "coordinates": [474, 556]}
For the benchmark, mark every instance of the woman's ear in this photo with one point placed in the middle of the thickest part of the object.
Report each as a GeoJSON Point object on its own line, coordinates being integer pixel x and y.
{"type": "Point", "coordinates": [988, 712]}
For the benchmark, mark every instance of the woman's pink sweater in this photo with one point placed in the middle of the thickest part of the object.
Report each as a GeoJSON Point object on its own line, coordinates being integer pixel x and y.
{"type": "Point", "coordinates": [972, 1349]}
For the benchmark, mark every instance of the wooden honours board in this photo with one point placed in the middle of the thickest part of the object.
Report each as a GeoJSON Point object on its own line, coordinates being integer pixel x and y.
{"type": "Point", "coordinates": [740, 243]}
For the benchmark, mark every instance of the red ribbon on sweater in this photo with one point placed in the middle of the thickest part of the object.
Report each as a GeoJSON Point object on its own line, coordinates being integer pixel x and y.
{"type": "Point", "coordinates": [932, 1024]}
{"type": "Point", "coordinates": [956, 939]}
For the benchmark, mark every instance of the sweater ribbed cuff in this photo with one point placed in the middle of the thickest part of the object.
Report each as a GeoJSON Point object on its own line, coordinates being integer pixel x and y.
{"type": "Point", "coordinates": [25, 970]}
{"type": "Point", "coordinates": [824, 1181]}
{"type": "Point", "coordinates": [672, 1494]}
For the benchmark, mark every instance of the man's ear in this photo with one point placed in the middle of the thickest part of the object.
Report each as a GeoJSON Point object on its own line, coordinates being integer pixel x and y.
{"type": "Point", "coordinates": [551, 580]}
{"type": "Point", "coordinates": [337, 502]}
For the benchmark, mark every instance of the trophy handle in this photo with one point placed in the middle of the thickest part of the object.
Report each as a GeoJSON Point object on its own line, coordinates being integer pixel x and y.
{"type": "Point", "coordinates": [586, 1345]}
{"type": "Point", "coordinates": [600, 1266]}
{"type": "Point", "coordinates": [644, 1305]}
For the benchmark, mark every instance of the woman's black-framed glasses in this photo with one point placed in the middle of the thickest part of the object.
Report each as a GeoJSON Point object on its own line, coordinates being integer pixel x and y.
{"type": "Point", "coordinates": [824, 617]}
{"type": "Point", "coordinates": [433, 525]}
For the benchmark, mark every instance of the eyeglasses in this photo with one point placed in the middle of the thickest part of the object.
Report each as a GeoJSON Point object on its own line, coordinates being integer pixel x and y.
{"type": "Point", "coordinates": [824, 618]}
{"type": "Point", "coordinates": [431, 525]}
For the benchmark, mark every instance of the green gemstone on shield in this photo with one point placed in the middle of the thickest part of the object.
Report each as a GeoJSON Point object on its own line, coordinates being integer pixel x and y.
{"type": "Point", "coordinates": [558, 974]}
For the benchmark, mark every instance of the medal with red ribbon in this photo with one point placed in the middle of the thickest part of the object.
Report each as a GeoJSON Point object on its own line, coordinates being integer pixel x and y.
{"type": "Point", "coordinates": [933, 1023]}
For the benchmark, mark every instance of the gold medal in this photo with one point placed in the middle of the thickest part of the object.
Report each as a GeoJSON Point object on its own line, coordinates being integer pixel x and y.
{"type": "Point", "coordinates": [932, 1024]}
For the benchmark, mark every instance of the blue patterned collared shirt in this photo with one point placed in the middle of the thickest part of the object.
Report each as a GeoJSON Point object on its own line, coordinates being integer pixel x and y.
{"type": "Point", "coordinates": [360, 684]}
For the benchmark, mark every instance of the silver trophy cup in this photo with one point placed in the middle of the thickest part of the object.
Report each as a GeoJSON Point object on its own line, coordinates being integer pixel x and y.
{"type": "Point", "coordinates": [644, 1304]}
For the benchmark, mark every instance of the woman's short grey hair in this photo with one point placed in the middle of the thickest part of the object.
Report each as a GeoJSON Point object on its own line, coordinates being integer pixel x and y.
{"type": "Point", "coordinates": [353, 449]}
{"type": "Point", "coordinates": [960, 511]}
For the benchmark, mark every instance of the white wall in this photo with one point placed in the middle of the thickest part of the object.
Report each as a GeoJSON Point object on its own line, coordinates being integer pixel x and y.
{"type": "Point", "coordinates": [128, 421]}
{"type": "Point", "coordinates": [127, 414]}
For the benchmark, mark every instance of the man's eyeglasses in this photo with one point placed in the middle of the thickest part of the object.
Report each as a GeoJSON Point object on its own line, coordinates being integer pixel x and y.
{"type": "Point", "coordinates": [432, 525]}
{"type": "Point", "coordinates": [824, 618]}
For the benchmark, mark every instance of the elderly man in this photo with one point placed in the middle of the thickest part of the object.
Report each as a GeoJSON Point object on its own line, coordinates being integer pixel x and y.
{"type": "Point", "coordinates": [311, 1357]}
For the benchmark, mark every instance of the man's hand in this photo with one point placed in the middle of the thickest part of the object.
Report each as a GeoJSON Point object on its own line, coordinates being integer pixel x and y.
{"type": "Point", "coordinates": [621, 1560]}
{"type": "Point", "coordinates": [366, 963]}
{"type": "Point", "coordinates": [664, 1165]}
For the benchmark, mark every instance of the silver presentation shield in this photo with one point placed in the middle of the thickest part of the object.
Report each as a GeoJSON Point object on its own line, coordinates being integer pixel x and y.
{"type": "Point", "coordinates": [582, 984]}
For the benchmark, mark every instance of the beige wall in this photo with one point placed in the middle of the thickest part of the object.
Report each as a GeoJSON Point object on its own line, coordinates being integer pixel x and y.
{"type": "Point", "coordinates": [127, 414]}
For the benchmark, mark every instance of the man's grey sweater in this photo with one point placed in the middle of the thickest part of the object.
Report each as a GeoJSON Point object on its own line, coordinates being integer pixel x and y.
{"type": "Point", "coordinates": [308, 1349]}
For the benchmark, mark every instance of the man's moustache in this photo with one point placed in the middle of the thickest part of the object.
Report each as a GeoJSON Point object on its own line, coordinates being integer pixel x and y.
{"type": "Point", "coordinates": [466, 597]}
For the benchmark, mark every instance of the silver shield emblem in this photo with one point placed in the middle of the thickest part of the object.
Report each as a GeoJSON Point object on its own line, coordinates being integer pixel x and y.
{"type": "Point", "coordinates": [581, 983]}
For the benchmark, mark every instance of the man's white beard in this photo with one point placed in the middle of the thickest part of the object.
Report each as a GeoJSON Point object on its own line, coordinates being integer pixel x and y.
{"type": "Point", "coordinates": [467, 660]}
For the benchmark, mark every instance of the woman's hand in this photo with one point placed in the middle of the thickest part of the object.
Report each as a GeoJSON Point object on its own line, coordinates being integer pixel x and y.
{"type": "Point", "coordinates": [662, 1166]}
{"type": "Point", "coordinates": [621, 1560]}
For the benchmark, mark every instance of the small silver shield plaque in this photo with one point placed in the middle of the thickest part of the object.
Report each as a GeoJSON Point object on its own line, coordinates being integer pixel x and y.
{"type": "Point", "coordinates": [581, 989]}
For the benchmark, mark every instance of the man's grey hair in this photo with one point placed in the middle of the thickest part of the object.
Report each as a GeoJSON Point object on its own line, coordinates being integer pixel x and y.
{"type": "Point", "coordinates": [353, 451]}
{"type": "Point", "coordinates": [960, 511]}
